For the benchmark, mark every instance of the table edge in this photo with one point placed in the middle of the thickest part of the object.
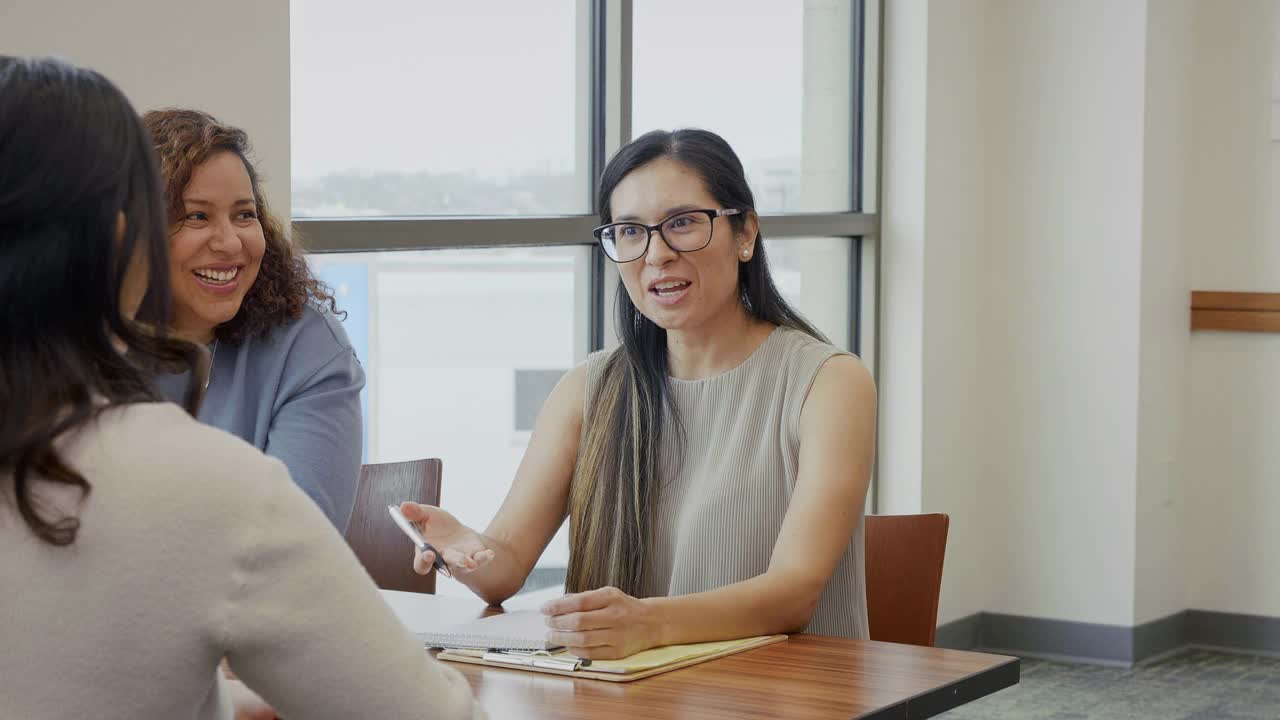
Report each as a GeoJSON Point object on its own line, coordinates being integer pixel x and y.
{"type": "Point", "coordinates": [905, 708]}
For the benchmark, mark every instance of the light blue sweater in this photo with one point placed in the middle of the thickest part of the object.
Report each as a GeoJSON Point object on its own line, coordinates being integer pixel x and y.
{"type": "Point", "coordinates": [295, 395]}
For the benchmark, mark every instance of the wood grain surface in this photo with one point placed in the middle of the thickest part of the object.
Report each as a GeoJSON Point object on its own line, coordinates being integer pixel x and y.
{"type": "Point", "coordinates": [805, 677]}
{"type": "Point", "coordinates": [1235, 311]}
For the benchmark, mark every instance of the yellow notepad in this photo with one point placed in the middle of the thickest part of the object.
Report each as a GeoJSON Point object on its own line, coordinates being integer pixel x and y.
{"type": "Point", "coordinates": [642, 664]}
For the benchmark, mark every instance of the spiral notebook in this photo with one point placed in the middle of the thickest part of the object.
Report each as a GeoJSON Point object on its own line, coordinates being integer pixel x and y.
{"type": "Point", "coordinates": [517, 630]}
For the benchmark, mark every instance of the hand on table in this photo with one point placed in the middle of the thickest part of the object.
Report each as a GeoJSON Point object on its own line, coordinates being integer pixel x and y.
{"type": "Point", "coordinates": [603, 624]}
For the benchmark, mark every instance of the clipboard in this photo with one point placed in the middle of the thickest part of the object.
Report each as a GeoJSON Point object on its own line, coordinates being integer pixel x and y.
{"type": "Point", "coordinates": [562, 663]}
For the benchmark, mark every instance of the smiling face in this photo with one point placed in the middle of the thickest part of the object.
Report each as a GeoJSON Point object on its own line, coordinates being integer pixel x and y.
{"type": "Point", "coordinates": [680, 291]}
{"type": "Point", "coordinates": [215, 253]}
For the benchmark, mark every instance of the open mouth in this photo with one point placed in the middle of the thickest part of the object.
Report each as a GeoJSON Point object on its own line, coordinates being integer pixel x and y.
{"type": "Point", "coordinates": [670, 292]}
{"type": "Point", "coordinates": [214, 277]}
{"type": "Point", "coordinates": [667, 289]}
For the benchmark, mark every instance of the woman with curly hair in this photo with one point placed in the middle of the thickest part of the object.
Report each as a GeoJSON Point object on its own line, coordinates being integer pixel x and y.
{"type": "Point", "coordinates": [283, 376]}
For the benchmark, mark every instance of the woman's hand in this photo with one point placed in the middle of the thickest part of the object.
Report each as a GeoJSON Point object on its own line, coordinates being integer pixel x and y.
{"type": "Point", "coordinates": [603, 624]}
{"type": "Point", "coordinates": [463, 549]}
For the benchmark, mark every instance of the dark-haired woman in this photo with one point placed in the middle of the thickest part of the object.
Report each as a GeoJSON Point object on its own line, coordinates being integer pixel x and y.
{"type": "Point", "coordinates": [284, 377]}
{"type": "Point", "coordinates": [138, 547]}
{"type": "Point", "coordinates": [714, 467]}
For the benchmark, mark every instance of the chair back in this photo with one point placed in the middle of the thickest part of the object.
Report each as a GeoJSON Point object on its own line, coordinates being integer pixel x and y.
{"type": "Point", "coordinates": [382, 547]}
{"type": "Point", "coordinates": [904, 576]}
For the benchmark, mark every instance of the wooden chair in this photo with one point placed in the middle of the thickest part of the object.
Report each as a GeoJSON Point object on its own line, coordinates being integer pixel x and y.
{"type": "Point", "coordinates": [380, 546]}
{"type": "Point", "coordinates": [904, 576]}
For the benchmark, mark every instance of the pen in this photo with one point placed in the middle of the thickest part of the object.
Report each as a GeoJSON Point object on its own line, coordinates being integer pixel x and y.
{"type": "Point", "coordinates": [418, 541]}
{"type": "Point", "coordinates": [549, 663]}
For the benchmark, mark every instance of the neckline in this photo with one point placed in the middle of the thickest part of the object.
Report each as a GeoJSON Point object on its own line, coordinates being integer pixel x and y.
{"type": "Point", "coordinates": [745, 362]}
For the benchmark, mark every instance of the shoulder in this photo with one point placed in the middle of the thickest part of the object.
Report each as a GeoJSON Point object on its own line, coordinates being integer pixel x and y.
{"type": "Point", "coordinates": [161, 451]}
{"type": "Point", "coordinates": [820, 375]}
{"type": "Point", "coordinates": [165, 483]}
{"type": "Point", "coordinates": [303, 350]}
{"type": "Point", "coordinates": [799, 347]}
{"type": "Point", "coordinates": [587, 375]}
{"type": "Point", "coordinates": [314, 331]}
{"type": "Point", "coordinates": [571, 390]}
{"type": "Point", "coordinates": [569, 400]}
{"type": "Point", "coordinates": [799, 357]}
{"type": "Point", "coordinates": [844, 374]}
{"type": "Point", "coordinates": [595, 362]}
{"type": "Point", "coordinates": [841, 386]}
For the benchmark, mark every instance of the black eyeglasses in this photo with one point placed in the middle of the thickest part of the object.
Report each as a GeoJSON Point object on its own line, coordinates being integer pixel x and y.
{"type": "Point", "coordinates": [688, 231]}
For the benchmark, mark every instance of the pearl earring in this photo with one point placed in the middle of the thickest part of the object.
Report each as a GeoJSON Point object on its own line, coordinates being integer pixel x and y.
{"type": "Point", "coordinates": [746, 254]}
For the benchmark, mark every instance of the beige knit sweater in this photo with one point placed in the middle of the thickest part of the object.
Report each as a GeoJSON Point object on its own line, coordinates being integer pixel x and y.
{"type": "Point", "coordinates": [193, 547]}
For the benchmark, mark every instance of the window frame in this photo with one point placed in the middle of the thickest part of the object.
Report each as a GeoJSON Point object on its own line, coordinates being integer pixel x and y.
{"type": "Point", "coordinates": [610, 84]}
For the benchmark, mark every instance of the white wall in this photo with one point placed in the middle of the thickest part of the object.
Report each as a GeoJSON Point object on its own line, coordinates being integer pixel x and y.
{"type": "Point", "coordinates": [1025, 233]}
{"type": "Point", "coordinates": [932, 325]}
{"type": "Point", "coordinates": [1160, 567]}
{"type": "Point", "coordinates": [231, 60]}
{"type": "Point", "coordinates": [954, 323]}
{"type": "Point", "coordinates": [902, 249]}
{"type": "Point", "coordinates": [1233, 380]}
{"type": "Point", "coordinates": [1064, 225]}
{"type": "Point", "coordinates": [1068, 173]}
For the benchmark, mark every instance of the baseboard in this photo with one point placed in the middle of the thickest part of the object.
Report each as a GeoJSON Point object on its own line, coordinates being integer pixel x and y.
{"type": "Point", "coordinates": [1111, 644]}
{"type": "Point", "coordinates": [962, 634]}
{"type": "Point", "coordinates": [1160, 637]}
{"type": "Point", "coordinates": [1233, 630]}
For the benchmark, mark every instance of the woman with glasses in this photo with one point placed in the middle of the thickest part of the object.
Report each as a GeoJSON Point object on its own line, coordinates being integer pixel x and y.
{"type": "Point", "coordinates": [138, 547]}
{"type": "Point", "coordinates": [714, 467]}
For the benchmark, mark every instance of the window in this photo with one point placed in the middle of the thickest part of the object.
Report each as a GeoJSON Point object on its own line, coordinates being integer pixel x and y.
{"type": "Point", "coordinates": [404, 108]}
{"type": "Point", "coordinates": [442, 178]}
{"type": "Point", "coordinates": [461, 347]}
{"type": "Point", "coordinates": [814, 275]}
{"type": "Point", "coordinates": [775, 79]}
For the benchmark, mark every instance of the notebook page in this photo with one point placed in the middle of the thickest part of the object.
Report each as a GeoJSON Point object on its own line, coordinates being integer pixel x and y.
{"type": "Point", "coordinates": [518, 630]}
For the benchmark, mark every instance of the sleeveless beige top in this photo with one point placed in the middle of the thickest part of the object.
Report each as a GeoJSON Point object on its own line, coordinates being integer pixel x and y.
{"type": "Point", "coordinates": [724, 494]}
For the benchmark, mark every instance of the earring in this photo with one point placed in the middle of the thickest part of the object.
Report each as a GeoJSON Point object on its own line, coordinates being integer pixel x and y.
{"type": "Point", "coordinates": [746, 254]}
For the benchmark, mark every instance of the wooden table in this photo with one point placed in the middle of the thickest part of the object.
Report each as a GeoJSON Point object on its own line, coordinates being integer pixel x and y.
{"type": "Point", "coordinates": [807, 676]}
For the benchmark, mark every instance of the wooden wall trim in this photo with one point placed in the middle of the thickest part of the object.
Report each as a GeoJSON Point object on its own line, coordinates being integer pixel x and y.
{"type": "Point", "coordinates": [1236, 311]}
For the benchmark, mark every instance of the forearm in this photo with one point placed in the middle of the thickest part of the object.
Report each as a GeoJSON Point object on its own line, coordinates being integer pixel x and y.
{"type": "Point", "coordinates": [500, 578]}
{"type": "Point", "coordinates": [772, 603]}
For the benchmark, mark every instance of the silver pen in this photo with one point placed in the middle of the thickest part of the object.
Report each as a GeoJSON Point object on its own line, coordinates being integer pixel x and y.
{"type": "Point", "coordinates": [530, 660]}
{"type": "Point", "coordinates": [418, 541]}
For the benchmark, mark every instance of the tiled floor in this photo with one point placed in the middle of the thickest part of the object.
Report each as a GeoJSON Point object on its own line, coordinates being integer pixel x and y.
{"type": "Point", "coordinates": [1193, 685]}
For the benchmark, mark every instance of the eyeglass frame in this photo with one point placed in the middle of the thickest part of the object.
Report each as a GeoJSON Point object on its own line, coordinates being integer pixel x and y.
{"type": "Point", "coordinates": [712, 214]}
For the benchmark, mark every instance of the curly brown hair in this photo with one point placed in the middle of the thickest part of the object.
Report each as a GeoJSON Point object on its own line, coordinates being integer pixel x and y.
{"type": "Point", "coordinates": [183, 140]}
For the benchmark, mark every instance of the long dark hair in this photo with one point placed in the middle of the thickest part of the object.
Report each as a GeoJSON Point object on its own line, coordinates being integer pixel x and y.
{"type": "Point", "coordinates": [73, 157]}
{"type": "Point", "coordinates": [615, 489]}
